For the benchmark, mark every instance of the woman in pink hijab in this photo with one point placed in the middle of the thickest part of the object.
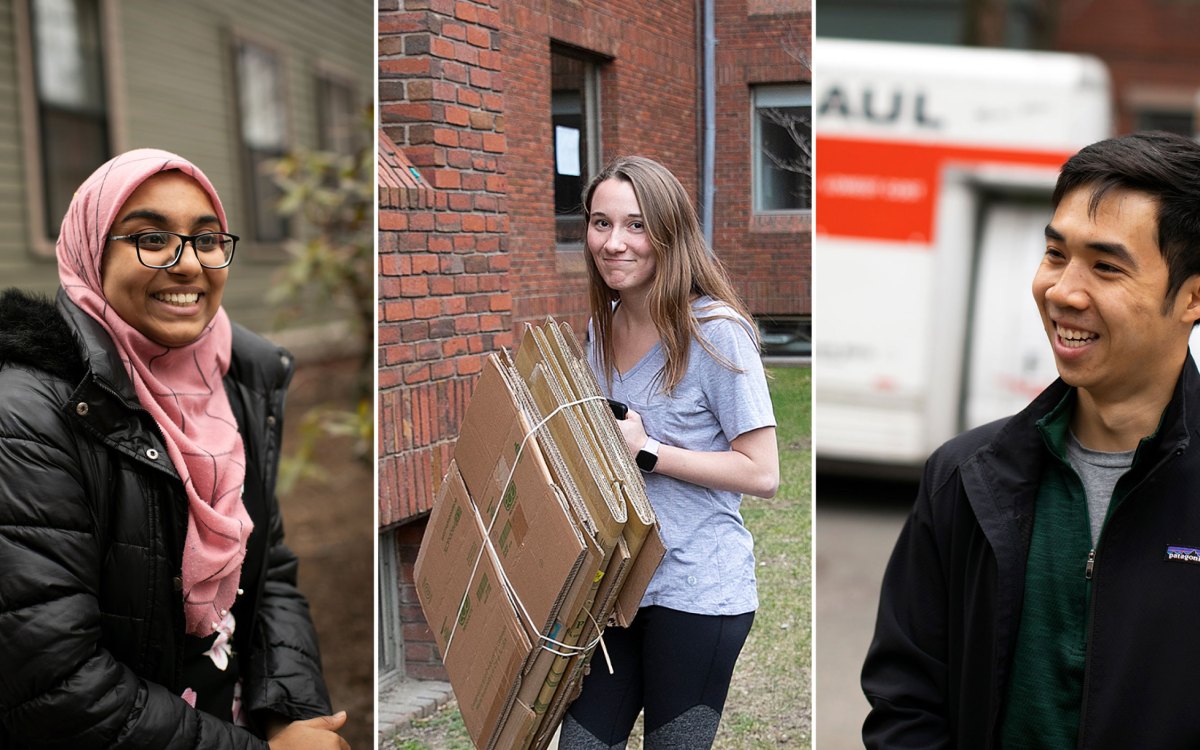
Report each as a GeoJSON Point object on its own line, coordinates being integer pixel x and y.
{"type": "Point", "coordinates": [146, 597]}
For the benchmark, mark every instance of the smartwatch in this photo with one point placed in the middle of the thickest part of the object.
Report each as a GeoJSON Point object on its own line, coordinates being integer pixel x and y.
{"type": "Point", "coordinates": [647, 457]}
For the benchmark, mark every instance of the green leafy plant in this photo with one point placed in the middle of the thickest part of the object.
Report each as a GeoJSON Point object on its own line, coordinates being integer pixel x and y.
{"type": "Point", "coordinates": [330, 267]}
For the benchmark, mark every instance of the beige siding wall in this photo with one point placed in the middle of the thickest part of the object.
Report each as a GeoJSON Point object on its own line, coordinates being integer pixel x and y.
{"type": "Point", "coordinates": [171, 86]}
{"type": "Point", "coordinates": [18, 266]}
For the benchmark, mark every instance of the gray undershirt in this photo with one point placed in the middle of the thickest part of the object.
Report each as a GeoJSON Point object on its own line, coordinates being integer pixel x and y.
{"type": "Point", "coordinates": [1099, 471]}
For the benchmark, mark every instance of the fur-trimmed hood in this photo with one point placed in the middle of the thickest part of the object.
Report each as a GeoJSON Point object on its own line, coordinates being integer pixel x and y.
{"type": "Point", "coordinates": [34, 334]}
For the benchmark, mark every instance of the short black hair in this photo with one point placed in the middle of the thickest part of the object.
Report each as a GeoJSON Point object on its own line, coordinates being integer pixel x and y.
{"type": "Point", "coordinates": [1165, 166]}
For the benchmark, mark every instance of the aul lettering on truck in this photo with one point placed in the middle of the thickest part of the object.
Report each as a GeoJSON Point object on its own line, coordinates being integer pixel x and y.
{"type": "Point", "coordinates": [878, 105]}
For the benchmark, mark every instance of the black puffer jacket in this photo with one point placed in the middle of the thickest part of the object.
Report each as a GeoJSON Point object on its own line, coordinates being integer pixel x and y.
{"type": "Point", "coordinates": [937, 671]}
{"type": "Point", "coordinates": [92, 526]}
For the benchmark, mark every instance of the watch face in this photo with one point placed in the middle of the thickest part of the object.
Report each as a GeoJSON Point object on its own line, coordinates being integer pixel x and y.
{"type": "Point", "coordinates": [646, 460]}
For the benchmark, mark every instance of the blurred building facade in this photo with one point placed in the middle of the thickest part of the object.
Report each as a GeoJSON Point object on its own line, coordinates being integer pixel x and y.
{"type": "Point", "coordinates": [1148, 45]}
{"type": "Point", "coordinates": [1151, 53]}
{"type": "Point", "coordinates": [494, 117]}
{"type": "Point", "coordinates": [226, 84]}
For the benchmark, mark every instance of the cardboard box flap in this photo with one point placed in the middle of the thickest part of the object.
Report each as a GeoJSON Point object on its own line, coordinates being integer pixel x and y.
{"type": "Point", "coordinates": [642, 570]}
{"type": "Point", "coordinates": [554, 389]}
{"type": "Point", "coordinates": [449, 550]}
{"type": "Point", "coordinates": [518, 728]}
{"type": "Point", "coordinates": [541, 548]}
{"type": "Point", "coordinates": [613, 448]}
{"type": "Point", "coordinates": [562, 700]}
{"type": "Point", "coordinates": [604, 506]}
{"type": "Point", "coordinates": [626, 477]}
{"type": "Point", "coordinates": [492, 431]}
{"type": "Point", "coordinates": [554, 456]}
{"type": "Point", "coordinates": [482, 643]}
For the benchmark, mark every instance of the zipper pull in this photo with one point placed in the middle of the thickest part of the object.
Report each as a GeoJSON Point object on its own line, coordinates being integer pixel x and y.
{"type": "Point", "coordinates": [1091, 563]}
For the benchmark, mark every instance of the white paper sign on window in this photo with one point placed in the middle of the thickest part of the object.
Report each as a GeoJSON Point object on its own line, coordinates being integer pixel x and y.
{"type": "Point", "coordinates": [566, 150]}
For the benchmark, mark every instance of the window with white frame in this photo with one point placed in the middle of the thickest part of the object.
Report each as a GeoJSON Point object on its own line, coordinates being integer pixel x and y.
{"type": "Point", "coordinates": [782, 141]}
{"type": "Point", "coordinates": [262, 114]}
{"type": "Point", "coordinates": [575, 115]}
{"type": "Point", "coordinates": [72, 109]}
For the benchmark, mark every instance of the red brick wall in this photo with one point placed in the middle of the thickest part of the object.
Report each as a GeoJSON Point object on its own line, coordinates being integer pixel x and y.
{"type": "Point", "coordinates": [769, 257]}
{"type": "Point", "coordinates": [444, 285]}
{"type": "Point", "coordinates": [421, 660]}
{"type": "Point", "coordinates": [648, 57]}
{"type": "Point", "coordinates": [1145, 43]}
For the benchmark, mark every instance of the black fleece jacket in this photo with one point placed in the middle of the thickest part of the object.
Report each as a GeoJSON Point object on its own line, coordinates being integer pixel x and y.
{"type": "Point", "coordinates": [91, 548]}
{"type": "Point", "coordinates": [937, 670]}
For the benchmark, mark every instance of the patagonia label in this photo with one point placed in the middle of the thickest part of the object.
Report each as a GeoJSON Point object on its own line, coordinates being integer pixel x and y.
{"type": "Point", "coordinates": [1184, 554]}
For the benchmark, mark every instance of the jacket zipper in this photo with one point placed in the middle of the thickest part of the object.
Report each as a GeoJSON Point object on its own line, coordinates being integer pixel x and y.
{"type": "Point", "coordinates": [134, 408]}
{"type": "Point", "coordinates": [1088, 572]}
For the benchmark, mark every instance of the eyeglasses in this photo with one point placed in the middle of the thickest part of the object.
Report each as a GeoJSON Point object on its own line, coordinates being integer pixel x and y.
{"type": "Point", "coordinates": [154, 249]}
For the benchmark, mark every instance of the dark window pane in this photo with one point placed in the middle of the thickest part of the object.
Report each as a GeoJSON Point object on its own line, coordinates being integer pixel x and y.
{"type": "Point", "coordinates": [338, 121]}
{"type": "Point", "coordinates": [573, 132]}
{"type": "Point", "coordinates": [73, 145]}
{"type": "Point", "coordinates": [263, 119]}
{"type": "Point", "coordinates": [785, 164]}
{"type": "Point", "coordinates": [269, 225]}
{"type": "Point", "coordinates": [1182, 123]}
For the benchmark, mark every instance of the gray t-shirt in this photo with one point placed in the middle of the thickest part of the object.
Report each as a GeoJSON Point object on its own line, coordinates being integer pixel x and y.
{"type": "Point", "coordinates": [1099, 471]}
{"type": "Point", "coordinates": [709, 565]}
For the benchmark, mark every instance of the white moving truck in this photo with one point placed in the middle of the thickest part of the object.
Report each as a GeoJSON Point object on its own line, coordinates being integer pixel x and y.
{"type": "Point", "coordinates": [934, 170]}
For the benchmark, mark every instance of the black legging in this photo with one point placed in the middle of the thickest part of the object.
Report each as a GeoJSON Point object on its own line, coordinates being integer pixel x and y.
{"type": "Point", "coordinates": [675, 665]}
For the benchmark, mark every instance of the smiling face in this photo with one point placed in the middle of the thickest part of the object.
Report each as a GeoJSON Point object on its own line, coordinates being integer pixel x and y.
{"type": "Point", "coordinates": [1101, 290]}
{"type": "Point", "coordinates": [170, 306]}
{"type": "Point", "coordinates": [617, 239]}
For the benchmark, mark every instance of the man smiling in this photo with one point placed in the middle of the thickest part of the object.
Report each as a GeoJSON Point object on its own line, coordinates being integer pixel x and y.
{"type": "Point", "coordinates": [1044, 590]}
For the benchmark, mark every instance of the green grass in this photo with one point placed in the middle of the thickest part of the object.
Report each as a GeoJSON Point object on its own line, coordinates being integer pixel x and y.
{"type": "Point", "coordinates": [769, 703]}
{"type": "Point", "coordinates": [443, 730]}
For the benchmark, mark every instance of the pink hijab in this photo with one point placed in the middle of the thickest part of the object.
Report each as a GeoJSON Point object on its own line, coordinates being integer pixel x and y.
{"type": "Point", "coordinates": [181, 387]}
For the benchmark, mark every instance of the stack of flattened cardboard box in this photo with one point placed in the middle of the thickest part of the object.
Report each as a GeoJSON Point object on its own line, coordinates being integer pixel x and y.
{"type": "Point", "coordinates": [540, 534]}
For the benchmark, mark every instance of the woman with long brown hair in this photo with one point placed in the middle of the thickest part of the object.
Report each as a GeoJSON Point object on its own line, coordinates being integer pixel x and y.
{"type": "Point", "coordinates": [669, 337]}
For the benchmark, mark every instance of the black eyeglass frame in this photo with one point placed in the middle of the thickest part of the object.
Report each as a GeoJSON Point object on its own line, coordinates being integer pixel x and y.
{"type": "Point", "coordinates": [184, 239]}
